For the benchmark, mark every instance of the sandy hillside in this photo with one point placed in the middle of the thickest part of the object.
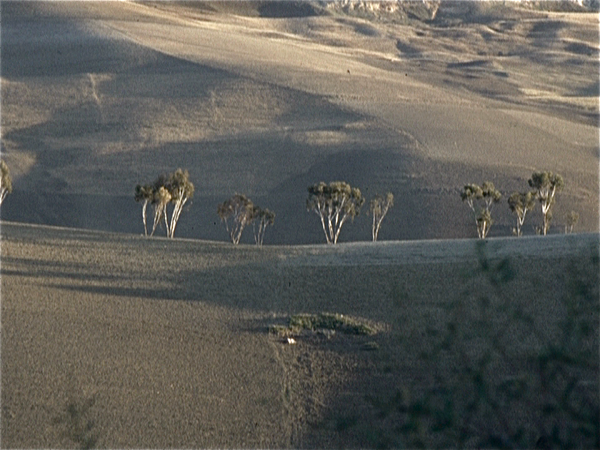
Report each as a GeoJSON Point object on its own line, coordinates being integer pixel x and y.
{"type": "Point", "coordinates": [159, 343]}
{"type": "Point", "coordinates": [265, 100]}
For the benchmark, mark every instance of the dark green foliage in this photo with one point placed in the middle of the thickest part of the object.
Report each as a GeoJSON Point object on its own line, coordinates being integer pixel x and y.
{"type": "Point", "coordinates": [334, 203]}
{"type": "Point", "coordinates": [5, 181]}
{"type": "Point", "coordinates": [546, 185]}
{"type": "Point", "coordinates": [481, 200]}
{"type": "Point", "coordinates": [327, 321]}
{"type": "Point", "coordinates": [542, 395]}
{"type": "Point", "coordinates": [520, 203]}
{"type": "Point", "coordinates": [242, 212]}
{"type": "Point", "coordinates": [323, 321]}
{"type": "Point", "coordinates": [239, 209]}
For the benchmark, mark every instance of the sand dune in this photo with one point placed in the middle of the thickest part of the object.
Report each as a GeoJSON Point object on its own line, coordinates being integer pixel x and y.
{"type": "Point", "coordinates": [99, 97]}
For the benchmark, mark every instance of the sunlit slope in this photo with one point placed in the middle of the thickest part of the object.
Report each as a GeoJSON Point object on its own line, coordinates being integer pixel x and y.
{"type": "Point", "coordinates": [99, 97]}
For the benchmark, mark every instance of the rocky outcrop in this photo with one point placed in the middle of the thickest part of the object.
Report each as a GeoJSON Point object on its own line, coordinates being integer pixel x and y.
{"type": "Point", "coordinates": [427, 9]}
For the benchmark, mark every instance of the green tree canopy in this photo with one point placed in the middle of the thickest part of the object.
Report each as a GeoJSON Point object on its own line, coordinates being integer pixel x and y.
{"type": "Point", "coordinates": [169, 188]}
{"type": "Point", "coordinates": [334, 203]}
{"type": "Point", "coordinates": [239, 209]}
{"type": "Point", "coordinates": [481, 200]}
{"type": "Point", "coordinates": [546, 185]}
{"type": "Point", "coordinates": [519, 203]}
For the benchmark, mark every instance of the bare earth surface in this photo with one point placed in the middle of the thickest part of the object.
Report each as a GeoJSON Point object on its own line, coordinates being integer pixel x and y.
{"type": "Point", "coordinates": [169, 338]}
{"type": "Point", "coordinates": [264, 100]}
{"type": "Point", "coordinates": [113, 340]}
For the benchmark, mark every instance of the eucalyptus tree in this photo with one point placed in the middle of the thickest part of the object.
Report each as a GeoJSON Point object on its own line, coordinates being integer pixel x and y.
{"type": "Point", "coordinates": [481, 200]}
{"type": "Point", "coordinates": [180, 189]}
{"type": "Point", "coordinates": [571, 220]}
{"type": "Point", "coordinates": [239, 209]}
{"type": "Point", "coordinates": [160, 199]}
{"type": "Point", "coordinates": [519, 203]}
{"type": "Point", "coordinates": [144, 193]}
{"type": "Point", "coordinates": [546, 185]}
{"type": "Point", "coordinates": [5, 181]}
{"type": "Point", "coordinates": [173, 188]}
{"type": "Point", "coordinates": [378, 208]}
{"type": "Point", "coordinates": [334, 203]}
{"type": "Point", "coordinates": [261, 218]}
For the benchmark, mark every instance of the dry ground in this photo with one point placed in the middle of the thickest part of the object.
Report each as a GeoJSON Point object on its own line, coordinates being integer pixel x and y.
{"type": "Point", "coordinates": [169, 338]}
{"type": "Point", "coordinates": [267, 98]}
{"type": "Point", "coordinates": [165, 343]}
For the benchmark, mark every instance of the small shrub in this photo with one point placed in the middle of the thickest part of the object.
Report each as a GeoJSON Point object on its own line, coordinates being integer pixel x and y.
{"type": "Point", "coordinates": [280, 330]}
{"type": "Point", "coordinates": [323, 321]}
{"type": "Point", "coordinates": [328, 321]}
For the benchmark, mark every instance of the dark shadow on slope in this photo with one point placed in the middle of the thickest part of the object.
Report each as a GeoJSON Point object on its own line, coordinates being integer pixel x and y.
{"type": "Point", "coordinates": [250, 8]}
{"type": "Point", "coordinates": [52, 269]}
{"type": "Point", "coordinates": [593, 90]}
{"type": "Point", "coordinates": [288, 9]}
{"type": "Point", "coordinates": [65, 41]}
{"type": "Point", "coordinates": [412, 300]}
{"type": "Point", "coordinates": [407, 50]}
{"type": "Point", "coordinates": [353, 375]}
{"type": "Point", "coordinates": [580, 48]}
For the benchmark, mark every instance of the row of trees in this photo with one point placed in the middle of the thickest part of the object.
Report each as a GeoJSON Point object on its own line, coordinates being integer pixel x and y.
{"type": "Point", "coordinates": [336, 203]}
{"type": "Point", "coordinates": [544, 187]}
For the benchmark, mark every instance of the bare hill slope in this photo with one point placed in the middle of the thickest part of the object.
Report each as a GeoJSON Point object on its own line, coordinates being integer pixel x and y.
{"type": "Point", "coordinates": [97, 97]}
{"type": "Point", "coordinates": [165, 343]}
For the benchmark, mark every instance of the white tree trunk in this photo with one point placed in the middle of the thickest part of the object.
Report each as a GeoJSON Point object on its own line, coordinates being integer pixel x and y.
{"type": "Point", "coordinates": [166, 216]}
{"type": "Point", "coordinates": [339, 228]}
{"type": "Point", "coordinates": [374, 230]}
{"type": "Point", "coordinates": [157, 216]}
{"type": "Point", "coordinates": [3, 194]}
{"type": "Point", "coordinates": [176, 213]}
{"type": "Point", "coordinates": [144, 217]}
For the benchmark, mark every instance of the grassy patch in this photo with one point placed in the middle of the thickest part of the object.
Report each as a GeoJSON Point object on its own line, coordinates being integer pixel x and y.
{"type": "Point", "coordinates": [323, 321]}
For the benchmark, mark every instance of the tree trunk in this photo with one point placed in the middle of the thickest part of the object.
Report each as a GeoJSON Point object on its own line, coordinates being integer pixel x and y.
{"type": "Point", "coordinates": [157, 217]}
{"type": "Point", "coordinates": [321, 214]}
{"type": "Point", "coordinates": [166, 221]}
{"type": "Point", "coordinates": [374, 230]}
{"type": "Point", "coordinates": [545, 224]}
{"type": "Point", "coordinates": [3, 194]}
{"type": "Point", "coordinates": [176, 213]}
{"type": "Point", "coordinates": [339, 228]}
{"type": "Point", "coordinates": [144, 217]}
